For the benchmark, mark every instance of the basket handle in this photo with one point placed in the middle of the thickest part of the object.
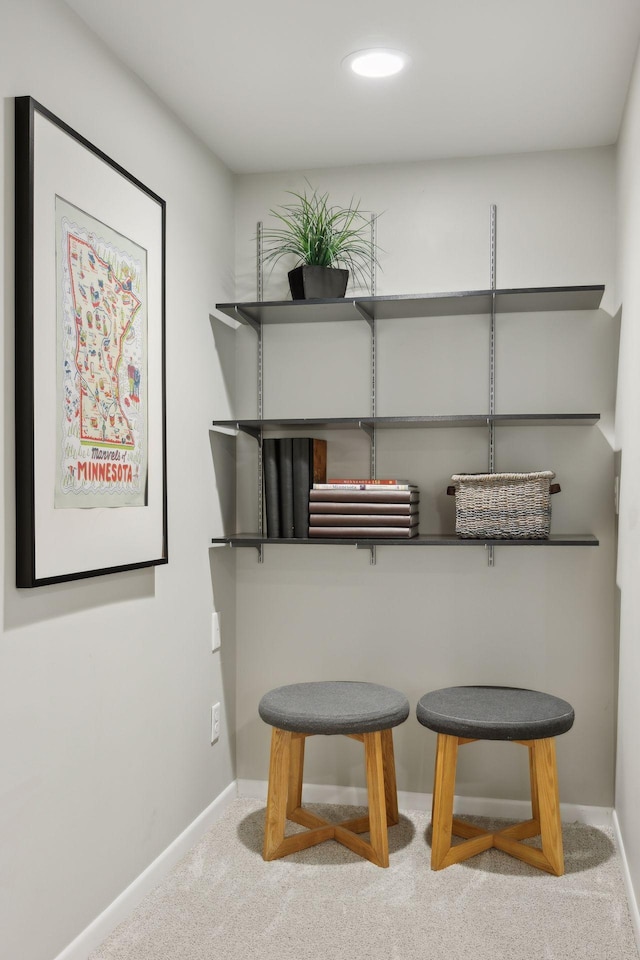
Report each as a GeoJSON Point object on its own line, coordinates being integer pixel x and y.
{"type": "Point", "coordinates": [554, 488]}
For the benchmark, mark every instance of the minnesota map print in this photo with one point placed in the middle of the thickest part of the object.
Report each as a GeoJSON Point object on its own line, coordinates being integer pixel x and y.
{"type": "Point", "coordinates": [102, 364]}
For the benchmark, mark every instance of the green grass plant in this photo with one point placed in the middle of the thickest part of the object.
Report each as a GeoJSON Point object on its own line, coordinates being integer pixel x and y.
{"type": "Point", "coordinates": [319, 234]}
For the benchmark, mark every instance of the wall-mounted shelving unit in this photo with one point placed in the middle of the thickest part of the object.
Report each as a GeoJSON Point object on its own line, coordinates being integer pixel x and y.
{"type": "Point", "coordinates": [403, 307]}
{"type": "Point", "coordinates": [253, 427]}
{"type": "Point", "coordinates": [422, 540]}
{"type": "Point", "coordinates": [373, 308]}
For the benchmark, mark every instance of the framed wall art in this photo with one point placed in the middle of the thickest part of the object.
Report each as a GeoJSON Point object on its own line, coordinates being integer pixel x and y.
{"type": "Point", "coordinates": [90, 359]}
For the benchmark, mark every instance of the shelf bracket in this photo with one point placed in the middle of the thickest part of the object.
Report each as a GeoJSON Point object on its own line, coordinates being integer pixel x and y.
{"type": "Point", "coordinates": [371, 547]}
{"type": "Point", "coordinates": [368, 428]}
{"type": "Point", "coordinates": [244, 317]}
{"type": "Point", "coordinates": [366, 316]}
{"type": "Point", "coordinates": [252, 431]}
{"type": "Point", "coordinates": [256, 546]}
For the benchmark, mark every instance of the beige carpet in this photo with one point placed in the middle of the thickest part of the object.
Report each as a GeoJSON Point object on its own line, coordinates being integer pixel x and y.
{"type": "Point", "coordinates": [223, 902]}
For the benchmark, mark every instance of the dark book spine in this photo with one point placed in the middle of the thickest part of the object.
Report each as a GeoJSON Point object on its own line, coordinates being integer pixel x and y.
{"type": "Point", "coordinates": [285, 484]}
{"type": "Point", "coordinates": [309, 467]}
{"type": "Point", "coordinates": [271, 493]}
{"type": "Point", "coordinates": [302, 451]}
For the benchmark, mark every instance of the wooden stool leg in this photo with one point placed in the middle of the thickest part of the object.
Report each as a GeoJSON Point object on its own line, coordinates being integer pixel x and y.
{"type": "Point", "coordinates": [533, 777]}
{"type": "Point", "coordinates": [444, 782]}
{"type": "Point", "coordinates": [545, 807]}
{"type": "Point", "coordinates": [390, 787]}
{"type": "Point", "coordinates": [284, 800]}
{"type": "Point", "coordinates": [546, 773]}
{"type": "Point", "coordinates": [376, 789]}
{"type": "Point", "coordinates": [294, 798]}
{"type": "Point", "coordinates": [279, 766]}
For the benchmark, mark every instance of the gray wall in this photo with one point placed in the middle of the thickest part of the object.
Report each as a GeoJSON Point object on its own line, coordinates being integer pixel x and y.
{"type": "Point", "coordinates": [106, 685]}
{"type": "Point", "coordinates": [424, 618]}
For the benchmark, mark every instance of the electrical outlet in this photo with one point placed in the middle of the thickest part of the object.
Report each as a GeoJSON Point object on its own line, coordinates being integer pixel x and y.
{"type": "Point", "coordinates": [215, 722]}
{"type": "Point", "coordinates": [215, 631]}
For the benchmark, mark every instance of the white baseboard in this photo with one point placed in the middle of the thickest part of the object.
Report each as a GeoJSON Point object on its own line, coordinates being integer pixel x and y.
{"type": "Point", "coordinates": [634, 911]}
{"type": "Point", "coordinates": [471, 806]}
{"type": "Point", "coordinates": [98, 931]}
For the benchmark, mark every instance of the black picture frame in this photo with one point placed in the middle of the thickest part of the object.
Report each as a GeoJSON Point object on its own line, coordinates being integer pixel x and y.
{"type": "Point", "coordinates": [106, 510]}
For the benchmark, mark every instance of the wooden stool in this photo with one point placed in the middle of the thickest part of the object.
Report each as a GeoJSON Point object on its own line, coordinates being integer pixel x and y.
{"type": "Point", "coordinates": [463, 714]}
{"type": "Point", "coordinates": [362, 711]}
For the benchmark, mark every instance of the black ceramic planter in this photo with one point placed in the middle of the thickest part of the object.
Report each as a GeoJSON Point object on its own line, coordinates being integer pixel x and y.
{"type": "Point", "coordinates": [317, 283]}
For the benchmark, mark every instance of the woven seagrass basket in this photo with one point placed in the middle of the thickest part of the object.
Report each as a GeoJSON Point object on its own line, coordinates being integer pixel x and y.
{"type": "Point", "coordinates": [503, 506]}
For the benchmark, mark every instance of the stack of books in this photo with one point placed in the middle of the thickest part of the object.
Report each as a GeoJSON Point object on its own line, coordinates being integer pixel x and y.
{"type": "Point", "coordinates": [364, 508]}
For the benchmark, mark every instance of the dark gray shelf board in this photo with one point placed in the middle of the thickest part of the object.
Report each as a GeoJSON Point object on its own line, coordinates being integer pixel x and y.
{"type": "Point", "coordinates": [401, 423]}
{"type": "Point", "coordinates": [424, 540]}
{"type": "Point", "coordinates": [461, 303]}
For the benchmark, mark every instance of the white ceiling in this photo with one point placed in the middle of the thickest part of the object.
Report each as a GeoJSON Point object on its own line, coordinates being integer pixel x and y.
{"type": "Point", "coordinates": [260, 81]}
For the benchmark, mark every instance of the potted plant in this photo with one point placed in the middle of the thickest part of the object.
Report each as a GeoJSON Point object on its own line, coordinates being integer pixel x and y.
{"type": "Point", "coordinates": [327, 241]}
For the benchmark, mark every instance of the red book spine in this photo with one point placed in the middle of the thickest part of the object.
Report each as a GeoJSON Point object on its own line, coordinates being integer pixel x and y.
{"type": "Point", "coordinates": [365, 480]}
{"type": "Point", "coordinates": [364, 486]}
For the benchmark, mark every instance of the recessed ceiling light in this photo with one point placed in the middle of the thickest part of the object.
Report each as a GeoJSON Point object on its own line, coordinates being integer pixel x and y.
{"type": "Point", "coordinates": [378, 62]}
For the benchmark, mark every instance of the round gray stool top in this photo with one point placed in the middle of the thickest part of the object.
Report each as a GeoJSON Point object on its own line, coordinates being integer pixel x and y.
{"type": "Point", "coordinates": [334, 706]}
{"type": "Point", "coordinates": [495, 713]}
